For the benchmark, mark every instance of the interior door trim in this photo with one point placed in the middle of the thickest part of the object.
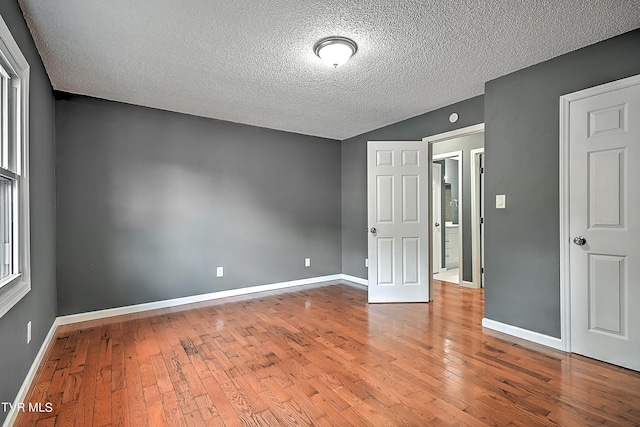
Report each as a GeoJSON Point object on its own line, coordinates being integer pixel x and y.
{"type": "Point", "coordinates": [565, 238]}
{"type": "Point", "coordinates": [475, 218]}
{"type": "Point", "coordinates": [430, 140]}
{"type": "Point", "coordinates": [469, 130]}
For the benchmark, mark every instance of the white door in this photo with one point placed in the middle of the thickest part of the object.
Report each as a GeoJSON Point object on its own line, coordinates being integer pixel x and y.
{"type": "Point", "coordinates": [604, 225]}
{"type": "Point", "coordinates": [436, 217]}
{"type": "Point", "coordinates": [398, 217]}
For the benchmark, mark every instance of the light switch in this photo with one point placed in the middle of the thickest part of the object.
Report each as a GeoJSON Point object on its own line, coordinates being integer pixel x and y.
{"type": "Point", "coordinates": [501, 201]}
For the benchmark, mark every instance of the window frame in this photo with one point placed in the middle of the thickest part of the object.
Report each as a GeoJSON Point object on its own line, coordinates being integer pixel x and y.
{"type": "Point", "coordinates": [14, 287]}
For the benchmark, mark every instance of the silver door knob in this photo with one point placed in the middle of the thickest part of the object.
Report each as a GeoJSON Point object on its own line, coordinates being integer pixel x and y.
{"type": "Point", "coordinates": [373, 230]}
{"type": "Point", "coordinates": [579, 240]}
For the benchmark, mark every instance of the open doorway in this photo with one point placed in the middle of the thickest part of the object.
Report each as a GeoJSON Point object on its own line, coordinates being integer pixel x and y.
{"type": "Point", "coordinates": [436, 209]}
{"type": "Point", "coordinates": [447, 245]}
{"type": "Point", "coordinates": [456, 224]}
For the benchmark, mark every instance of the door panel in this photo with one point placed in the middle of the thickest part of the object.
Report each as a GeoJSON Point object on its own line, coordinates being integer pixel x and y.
{"type": "Point", "coordinates": [386, 270]}
{"type": "Point", "coordinates": [398, 212]}
{"type": "Point", "coordinates": [410, 198]}
{"type": "Point", "coordinates": [607, 285]}
{"type": "Point", "coordinates": [604, 205]}
{"type": "Point", "coordinates": [605, 183]}
{"type": "Point", "coordinates": [410, 261]}
{"type": "Point", "coordinates": [384, 195]}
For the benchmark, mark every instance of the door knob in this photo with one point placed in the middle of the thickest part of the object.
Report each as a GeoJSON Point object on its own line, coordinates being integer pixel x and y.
{"type": "Point", "coordinates": [579, 240]}
{"type": "Point", "coordinates": [437, 224]}
{"type": "Point", "coordinates": [373, 230]}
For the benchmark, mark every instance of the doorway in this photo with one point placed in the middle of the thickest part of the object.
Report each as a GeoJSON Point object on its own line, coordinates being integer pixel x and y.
{"type": "Point", "coordinates": [458, 209]}
{"type": "Point", "coordinates": [447, 245]}
{"type": "Point", "coordinates": [436, 192]}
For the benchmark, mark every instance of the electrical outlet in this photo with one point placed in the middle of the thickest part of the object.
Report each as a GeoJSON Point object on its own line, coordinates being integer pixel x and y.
{"type": "Point", "coordinates": [366, 262]}
{"type": "Point", "coordinates": [220, 272]}
{"type": "Point", "coordinates": [307, 262]}
{"type": "Point", "coordinates": [28, 331]}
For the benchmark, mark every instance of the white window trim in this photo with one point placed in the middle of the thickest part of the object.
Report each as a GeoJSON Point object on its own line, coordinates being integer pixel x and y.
{"type": "Point", "coordinates": [14, 288]}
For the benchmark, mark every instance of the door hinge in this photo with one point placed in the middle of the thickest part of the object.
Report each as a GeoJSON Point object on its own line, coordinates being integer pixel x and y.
{"type": "Point", "coordinates": [481, 220]}
{"type": "Point", "coordinates": [481, 269]}
{"type": "Point", "coordinates": [481, 170]}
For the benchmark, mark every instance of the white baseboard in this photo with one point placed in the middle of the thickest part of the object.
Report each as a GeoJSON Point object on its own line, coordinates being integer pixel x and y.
{"type": "Point", "coordinates": [26, 384]}
{"type": "Point", "coordinates": [354, 279]}
{"type": "Point", "coordinates": [525, 334]}
{"type": "Point", "coordinates": [118, 311]}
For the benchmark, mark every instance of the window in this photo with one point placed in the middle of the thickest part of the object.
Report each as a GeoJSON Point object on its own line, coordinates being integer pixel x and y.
{"type": "Point", "coordinates": [15, 280]}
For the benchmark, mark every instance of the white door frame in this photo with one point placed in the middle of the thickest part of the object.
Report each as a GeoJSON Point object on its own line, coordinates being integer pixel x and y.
{"type": "Point", "coordinates": [476, 248]}
{"type": "Point", "coordinates": [469, 130]}
{"type": "Point", "coordinates": [565, 238]}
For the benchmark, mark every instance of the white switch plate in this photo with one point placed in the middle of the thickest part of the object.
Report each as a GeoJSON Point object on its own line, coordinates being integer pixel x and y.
{"type": "Point", "coordinates": [366, 262]}
{"type": "Point", "coordinates": [307, 262]}
{"type": "Point", "coordinates": [501, 201]}
{"type": "Point", "coordinates": [28, 331]}
{"type": "Point", "coordinates": [219, 272]}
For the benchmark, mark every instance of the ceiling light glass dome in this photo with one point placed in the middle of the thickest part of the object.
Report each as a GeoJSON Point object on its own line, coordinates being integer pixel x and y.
{"type": "Point", "coordinates": [335, 51]}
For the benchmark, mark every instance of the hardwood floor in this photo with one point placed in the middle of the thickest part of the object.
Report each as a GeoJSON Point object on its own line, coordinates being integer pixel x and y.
{"type": "Point", "coordinates": [321, 356]}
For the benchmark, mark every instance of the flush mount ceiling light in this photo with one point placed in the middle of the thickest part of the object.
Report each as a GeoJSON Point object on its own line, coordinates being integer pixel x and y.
{"type": "Point", "coordinates": [335, 51]}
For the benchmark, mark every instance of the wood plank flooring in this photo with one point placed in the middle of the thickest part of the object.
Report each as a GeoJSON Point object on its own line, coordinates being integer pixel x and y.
{"type": "Point", "coordinates": [321, 356]}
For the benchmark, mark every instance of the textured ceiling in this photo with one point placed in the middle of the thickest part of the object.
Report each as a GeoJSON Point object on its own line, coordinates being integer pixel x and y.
{"type": "Point", "coordinates": [252, 61]}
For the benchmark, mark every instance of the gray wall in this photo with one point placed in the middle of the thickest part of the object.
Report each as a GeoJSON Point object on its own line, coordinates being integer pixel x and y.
{"type": "Point", "coordinates": [39, 305]}
{"type": "Point", "coordinates": [151, 202]}
{"type": "Point", "coordinates": [354, 171]}
{"type": "Point", "coordinates": [522, 266]}
{"type": "Point", "coordinates": [464, 144]}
